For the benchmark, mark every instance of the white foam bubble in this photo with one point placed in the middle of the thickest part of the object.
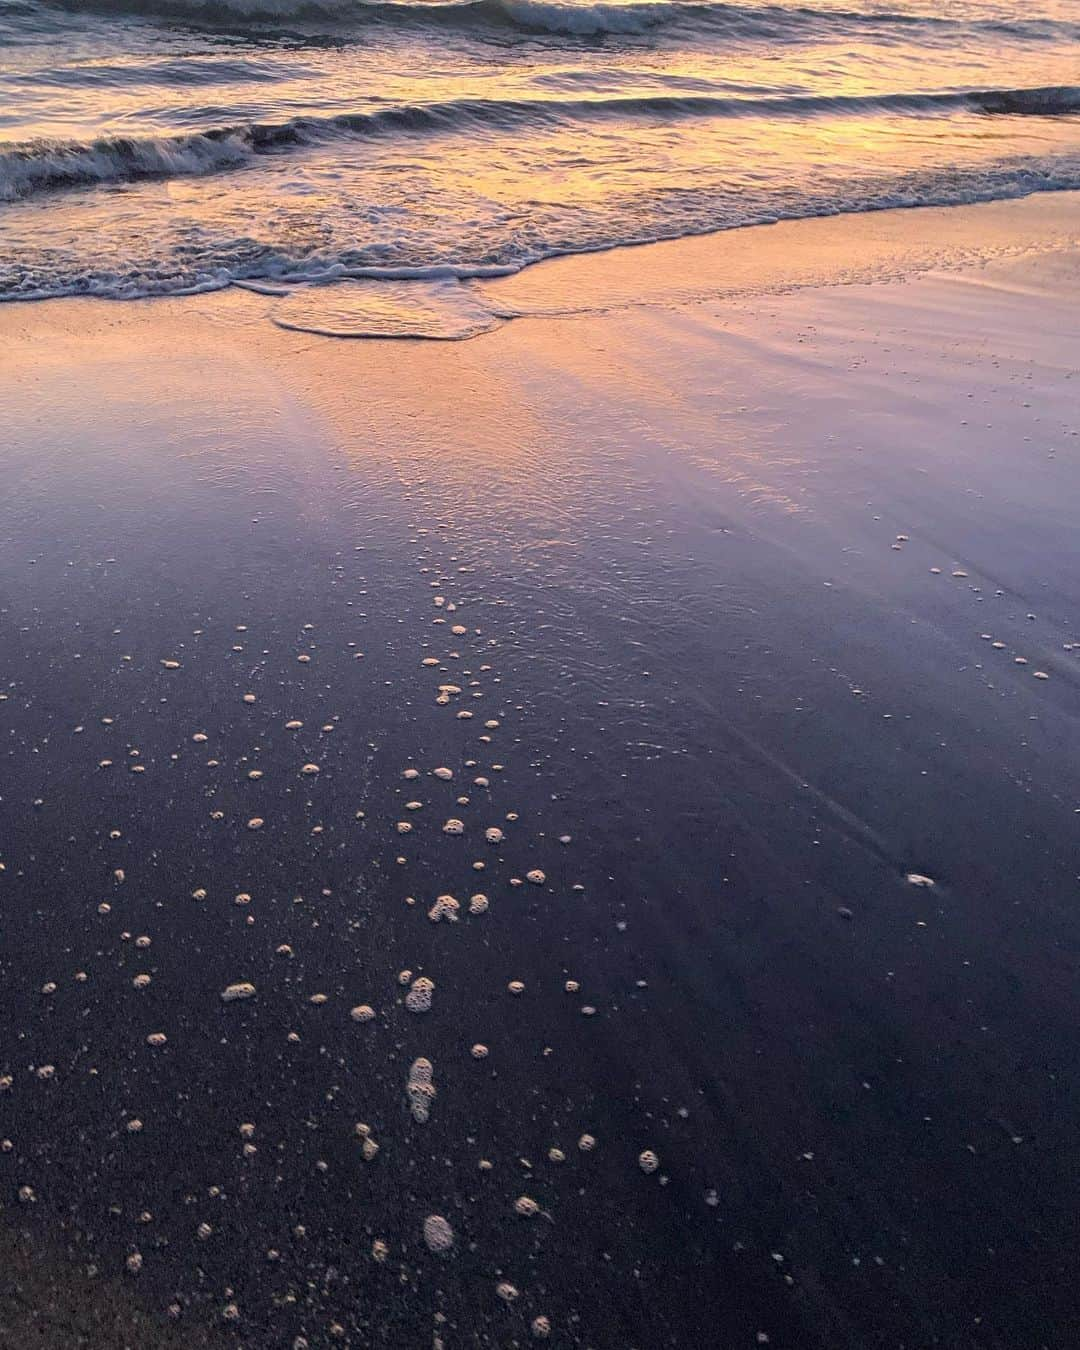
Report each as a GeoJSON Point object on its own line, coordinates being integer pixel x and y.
{"type": "Point", "coordinates": [235, 992]}
{"type": "Point", "coordinates": [418, 999]}
{"type": "Point", "coordinates": [420, 1089]}
{"type": "Point", "coordinates": [438, 1234]}
{"type": "Point", "coordinates": [445, 909]}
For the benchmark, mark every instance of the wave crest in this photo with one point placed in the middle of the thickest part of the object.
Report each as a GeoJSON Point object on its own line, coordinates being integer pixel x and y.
{"type": "Point", "coordinates": [39, 166]}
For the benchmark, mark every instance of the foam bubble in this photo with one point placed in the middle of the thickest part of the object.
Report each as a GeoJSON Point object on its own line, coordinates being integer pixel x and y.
{"type": "Point", "coordinates": [234, 992]}
{"type": "Point", "coordinates": [438, 1234]}
{"type": "Point", "coordinates": [418, 999]}
{"type": "Point", "coordinates": [420, 1089]}
{"type": "Point", "coordinates": [445, 908]}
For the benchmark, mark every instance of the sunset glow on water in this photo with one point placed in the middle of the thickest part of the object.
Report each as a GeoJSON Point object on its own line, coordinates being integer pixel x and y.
{"type": "Point", "coordinates": [166, 145]}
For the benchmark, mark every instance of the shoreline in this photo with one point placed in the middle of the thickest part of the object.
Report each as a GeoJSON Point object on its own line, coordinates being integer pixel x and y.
{"type": "Point", "coordinates": [732, 264]}
{"type": "Point", "coordinates": [856, 249]}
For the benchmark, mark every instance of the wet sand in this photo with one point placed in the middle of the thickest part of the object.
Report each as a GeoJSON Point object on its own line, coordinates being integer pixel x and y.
{"type": "Point", "coordinates": [736, 586]}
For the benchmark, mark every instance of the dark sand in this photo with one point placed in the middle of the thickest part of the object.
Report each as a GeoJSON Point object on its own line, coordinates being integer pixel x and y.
{"type": "Point", "coordinates": [672, 531]}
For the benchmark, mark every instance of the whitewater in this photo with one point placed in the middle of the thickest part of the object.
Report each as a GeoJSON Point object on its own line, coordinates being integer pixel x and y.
{"type": "Point", "coordinates": [155, 147]}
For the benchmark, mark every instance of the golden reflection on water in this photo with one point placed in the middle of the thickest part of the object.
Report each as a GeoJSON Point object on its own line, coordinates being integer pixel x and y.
{"type": "Point", "coordinates": [155, 157]}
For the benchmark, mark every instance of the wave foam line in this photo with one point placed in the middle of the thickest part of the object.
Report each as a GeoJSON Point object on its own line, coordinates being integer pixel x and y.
{"type": "Point", "coordinates": [270, 274]}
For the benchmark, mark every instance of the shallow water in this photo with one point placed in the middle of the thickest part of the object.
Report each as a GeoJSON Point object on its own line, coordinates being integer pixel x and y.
{"type": "Point", "coordinates": [156, 147]}
{"type": "Point", "coordinates": [752, 717]}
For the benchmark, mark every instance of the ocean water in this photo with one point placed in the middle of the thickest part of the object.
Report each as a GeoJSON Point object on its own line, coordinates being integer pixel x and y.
{"type": "Point", "coordinates": [154, 147]}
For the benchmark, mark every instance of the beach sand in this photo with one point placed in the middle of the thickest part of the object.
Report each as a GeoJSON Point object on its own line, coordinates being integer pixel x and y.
{"type": "Point", "coordinates": [763, 551]}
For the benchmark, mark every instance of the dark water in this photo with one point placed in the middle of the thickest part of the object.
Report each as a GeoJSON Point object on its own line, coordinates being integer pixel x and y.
{"type": "Point", "coordinates": [747, 718]}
